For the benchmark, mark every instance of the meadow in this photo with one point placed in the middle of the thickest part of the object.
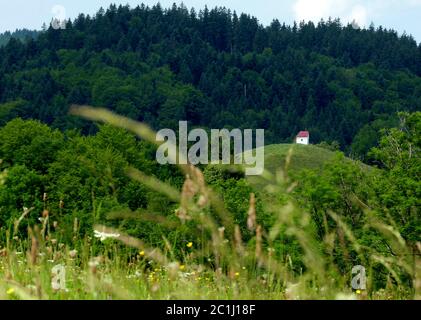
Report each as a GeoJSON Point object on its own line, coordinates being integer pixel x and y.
{"type": "Point", "coordinates": [284, 258]}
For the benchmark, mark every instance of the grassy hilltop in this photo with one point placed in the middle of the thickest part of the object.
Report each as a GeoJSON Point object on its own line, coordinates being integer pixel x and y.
{"type": "Point", "coordinates": [301, 157]}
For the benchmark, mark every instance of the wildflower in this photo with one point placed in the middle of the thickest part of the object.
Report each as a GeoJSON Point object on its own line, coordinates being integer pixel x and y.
{"type": "Point", "coordinates": [104, 236]}
{"type": "Point", "coordinates": [358, 292]}
{"type": "Point", "coordinates": [237, 274]}
{"type": "Point", "coordinates": [142, 253]}
{"type": "Point", "coordinates": [182, 267]}
{"type": "Point", "coordinates": [72, 254]}
{"type": "Point", "coordinates": [189, 245]}
{"type": "Point", "coordinates": [10, 291]}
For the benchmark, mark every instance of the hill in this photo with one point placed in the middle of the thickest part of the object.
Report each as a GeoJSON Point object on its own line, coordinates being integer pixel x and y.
{"type": "Point", "coordinates": [300, 157]}
{"type": "Point", "coordinates": [216, 68]}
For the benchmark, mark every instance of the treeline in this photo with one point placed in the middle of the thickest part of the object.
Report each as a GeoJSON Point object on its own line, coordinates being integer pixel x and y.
{"type": "Point", "coordinates": [19, 34]}
{"type": "Point", "coordinates": [216, 69]}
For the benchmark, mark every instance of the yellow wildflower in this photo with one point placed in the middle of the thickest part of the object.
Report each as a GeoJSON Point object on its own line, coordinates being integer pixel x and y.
{"type": "Point", "coordinates": [10, 291]}
{"type": "Point", "coordinates": [237, 274]}
{"type": "Point", "coordinates": [190, 245]}
{"type": "Point", "coordinates": [182, 267]}
{"type": "Point", "coordinates": [142, 253]}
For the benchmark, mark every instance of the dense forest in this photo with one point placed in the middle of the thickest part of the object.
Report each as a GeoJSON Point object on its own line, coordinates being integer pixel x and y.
{"type": "Point", "coordinates": [19, 34]}
{"type": "Point", "coordinates": [216, 69]}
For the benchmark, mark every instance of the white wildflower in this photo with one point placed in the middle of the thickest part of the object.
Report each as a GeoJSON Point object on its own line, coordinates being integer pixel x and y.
{"type": "Point", "coordinates": [104, 236]}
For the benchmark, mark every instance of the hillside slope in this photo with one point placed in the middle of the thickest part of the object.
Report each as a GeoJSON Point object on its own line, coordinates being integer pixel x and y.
{"type": "Point", "coordinates": [301, 157]}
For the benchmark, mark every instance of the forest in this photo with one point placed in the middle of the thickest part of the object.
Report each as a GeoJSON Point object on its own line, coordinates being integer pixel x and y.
{"type": "Point", "coordinates": [216, 69]}
{"type": "Point", "coordinates": [22, 35]}
{"type": "Point", "coordinates": [80, 188]}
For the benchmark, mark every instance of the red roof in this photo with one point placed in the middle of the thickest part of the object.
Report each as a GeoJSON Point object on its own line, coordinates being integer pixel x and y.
{"type": "Point", "coordinates": [303, 134]}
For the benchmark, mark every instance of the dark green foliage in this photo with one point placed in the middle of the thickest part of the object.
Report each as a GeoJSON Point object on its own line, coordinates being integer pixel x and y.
{"type": "Point", "coordinates": [399, 190]}
{"type": "Point", "coordinates": [23, 188]}
{"type": "Point", "coordinates": [74, 176]}
{"type": "Point", "coordinates": [217, 69]}
{"type": "Point", "coordinates": [29, 143]}
{"type": "Point", "coordinates": [357, 194]}
{"type": "Point", "coordinates": [22, 35]}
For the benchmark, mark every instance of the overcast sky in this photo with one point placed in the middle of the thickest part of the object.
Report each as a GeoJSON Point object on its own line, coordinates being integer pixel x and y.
{"type": "Point", "coordinates": [401, 15]}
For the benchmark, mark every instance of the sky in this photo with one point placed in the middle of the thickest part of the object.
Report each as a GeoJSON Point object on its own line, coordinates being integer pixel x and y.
{"type": "Point", "coordinates": [401, 15]}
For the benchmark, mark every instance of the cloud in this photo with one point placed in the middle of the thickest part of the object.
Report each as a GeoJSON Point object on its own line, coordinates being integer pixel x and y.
{"type": "Point", "coordinates": [414, 3]}
{"type": "Point", "coordinates": [315, 10]}
{"type": "Point", "coordinates": [359, 14]}
{"type": "Point", "coordinates": [312, 10]}
{"type": "Point", "coordinates": [348, 10]}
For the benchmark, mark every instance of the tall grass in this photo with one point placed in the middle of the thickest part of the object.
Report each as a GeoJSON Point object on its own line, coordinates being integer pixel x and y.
{"type": "Point", "coordinates": [222, 266]}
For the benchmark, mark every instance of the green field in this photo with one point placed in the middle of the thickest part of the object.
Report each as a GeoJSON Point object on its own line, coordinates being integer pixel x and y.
{"type": "Point", "coordinates": [277, 161]}
{"type": "Point", "coordinates": [302, 157]}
